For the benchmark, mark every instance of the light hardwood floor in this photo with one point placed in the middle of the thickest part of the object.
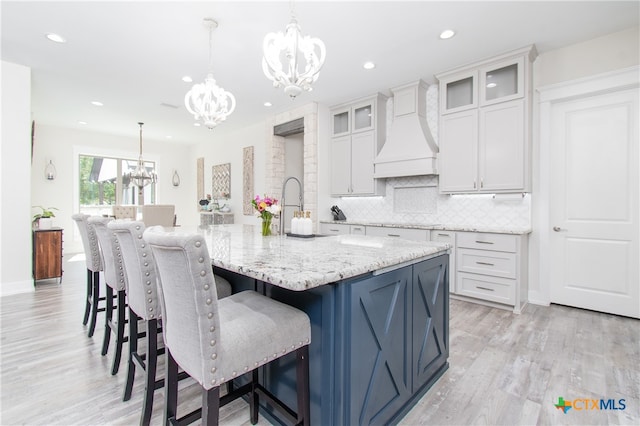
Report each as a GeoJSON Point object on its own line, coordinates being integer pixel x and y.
{"type": "Point", "coordinates": [504, 368]}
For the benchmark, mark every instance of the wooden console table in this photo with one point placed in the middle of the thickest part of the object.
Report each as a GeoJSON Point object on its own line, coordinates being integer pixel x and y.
{"type": "Point", "coordinates": [47, 253]}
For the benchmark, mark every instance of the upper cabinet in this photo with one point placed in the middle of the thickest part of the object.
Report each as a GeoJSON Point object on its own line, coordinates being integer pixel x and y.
{"type": "Point", "coordinates": [358, 132]}
{"type": "Point", "coordinates": [485, 131]}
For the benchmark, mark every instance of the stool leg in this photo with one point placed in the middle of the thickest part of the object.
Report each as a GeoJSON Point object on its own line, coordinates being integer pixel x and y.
{"type": "Point", "coordinates": [302, 385]}
{"type": "Point", "coordinates": [119, 331]}
{"type": "Point", "coordinates": [254, 398]}
{"type": "Point", "coordinates": [94, 302]}
{"type": "Point", "coordinates": [133, 348]}
{"type": "Point", "coordinates": [210, 406]}
{"type": "Point", "coordinates": [150, 371]}
{"type": "Point", "coordinates": [170, 388]}
{"type": "Point", "coordinates": [108, 315]}
{"type": "Point", "coordinates": [87, 308]}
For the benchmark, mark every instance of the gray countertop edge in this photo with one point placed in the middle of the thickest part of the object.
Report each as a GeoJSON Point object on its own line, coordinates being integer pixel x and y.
{"type": "Point", "coordinates": [441, 227]}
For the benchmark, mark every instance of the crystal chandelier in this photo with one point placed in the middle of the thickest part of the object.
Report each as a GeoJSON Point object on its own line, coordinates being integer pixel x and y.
{"type": "Point", "coordinates": [141, 177]}
{"type": "Point", "coordinates": [292, 60]}
{"type": "Point", "coordinates": [208, 101]}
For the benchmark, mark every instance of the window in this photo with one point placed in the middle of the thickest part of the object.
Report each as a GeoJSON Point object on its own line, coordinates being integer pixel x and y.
{"type": "Point", "coordinates": [103, 183]}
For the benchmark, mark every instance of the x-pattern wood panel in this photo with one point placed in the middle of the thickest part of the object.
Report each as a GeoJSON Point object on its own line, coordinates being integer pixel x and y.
{"type": "Point", "coordinates": [382, 311]}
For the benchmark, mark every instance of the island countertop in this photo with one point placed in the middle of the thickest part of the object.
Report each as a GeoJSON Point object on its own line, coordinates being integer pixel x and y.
{"type": "Point", "coordinates": [303, 263]}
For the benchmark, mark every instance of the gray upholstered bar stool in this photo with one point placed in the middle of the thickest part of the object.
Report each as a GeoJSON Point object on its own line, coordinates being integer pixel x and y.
{"type": "Point", "coordinates": [142, 295]}
{"type": "Point", "coordinates": [215, 341]}
{"type": "Point", "coordinates": [115, 279]}
{"type": "Point", "coordinates": [94, 266]}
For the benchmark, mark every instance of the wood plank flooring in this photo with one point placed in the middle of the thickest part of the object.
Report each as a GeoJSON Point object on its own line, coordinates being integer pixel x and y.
{"type": "Point", "coordinates": [504, 368]}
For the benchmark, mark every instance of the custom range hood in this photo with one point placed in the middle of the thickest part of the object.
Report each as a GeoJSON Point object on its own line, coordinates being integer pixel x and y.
{"type": "Point", "coordinates": [409, 149]}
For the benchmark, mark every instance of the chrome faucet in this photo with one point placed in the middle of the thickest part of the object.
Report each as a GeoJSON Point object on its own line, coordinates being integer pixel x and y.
{"type": "Point", "coordinates": [284, 204]}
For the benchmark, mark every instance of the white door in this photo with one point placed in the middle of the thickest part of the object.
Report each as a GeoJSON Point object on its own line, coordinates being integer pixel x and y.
{"type": "Point", "coordinates": [594, 203]}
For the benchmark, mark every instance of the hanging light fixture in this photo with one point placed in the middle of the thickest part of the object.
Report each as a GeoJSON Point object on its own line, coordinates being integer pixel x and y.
{"type": "Point", "coordinates": [141, 177]}
{"type": "Point", "coordinates": [292, 60]}
{"type": "Point", "coordinates": [208, 101]}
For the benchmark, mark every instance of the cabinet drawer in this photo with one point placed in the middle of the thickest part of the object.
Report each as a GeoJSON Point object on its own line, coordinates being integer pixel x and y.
{"type": "Point", "coordinates": [494, 289]}
{"type": "Point", "coordinates": [485, 241]}
{"type": "Point", "coordinates": [444, 237]}
{"type": "Point", "coordinates": [485, 262]}
{"type": "Point", "coordinates": [358, 230]}
{"type": "Point", "coordinates": [334, 228]}
{"type": "Point", "coordinates": [409, 234]}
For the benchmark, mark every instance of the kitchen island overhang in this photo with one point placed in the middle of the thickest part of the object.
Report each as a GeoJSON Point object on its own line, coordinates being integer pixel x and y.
{"type": "Point", "coordinates": [379, 310]}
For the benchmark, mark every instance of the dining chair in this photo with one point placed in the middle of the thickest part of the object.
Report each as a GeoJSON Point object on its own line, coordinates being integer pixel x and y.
{"type": "Point", "coordinates": [158, 214]}
{"type": "Point", "coordinates": [216, 341]}
{"type": "Point", "coordinates": [125, 212]}
{"type": "Point", "coordinates": [143, 299]}
{"type": "Point", "coordinates": [93, 259]}
{"type": "Point", "coordinates": [116, 280]}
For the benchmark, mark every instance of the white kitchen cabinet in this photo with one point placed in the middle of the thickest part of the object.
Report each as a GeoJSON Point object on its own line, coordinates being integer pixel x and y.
{"type": "Point", "coordinates": [406, 233]}
{"type": "Point", "coordinates": [335, 228]}
{"type": "Point", "coordinates": [485, 140]}
{"type": "Point", "coordinates": [358, 230]}
{"type": "Point", "coordinates": [358, 131]}
{"type": "Point", "coordinates": [448, 237]}
{"type": "Point", "coordinates": [492, 269]}
{"type": "Point", "coordinates": [459, 92]}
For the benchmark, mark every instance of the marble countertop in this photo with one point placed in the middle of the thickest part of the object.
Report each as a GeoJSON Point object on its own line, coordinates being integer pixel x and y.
{"type": "Point", "coordinates": [442, 227]}
{"type": "Point", "coordinates": [303, 263]}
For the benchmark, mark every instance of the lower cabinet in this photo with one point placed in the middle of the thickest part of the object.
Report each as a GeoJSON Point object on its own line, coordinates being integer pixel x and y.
{"type": "Point", "coordinates": [399, 339]}
{"type": "Point", "coordinates": [448, 237]}
{"type": "Point", "coordinates": [492, 268]}
{"type": "Point", "coordinates": [407, 233]}
{"type": "Point", "coordinates": [335, 228]}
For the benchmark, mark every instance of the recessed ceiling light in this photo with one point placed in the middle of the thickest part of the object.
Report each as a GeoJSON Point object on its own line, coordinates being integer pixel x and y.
{"type": "Point", "coordinates": [447, 34]}
{"type": "Point", "coordinates": [97, 103]}
{"type": "Point", "coordinates": [368, 65]}
{"type": "Point", "coordinates": [82, 122]}
{"type": "Point", "coordinates": [197, 124]}
{"type": "Point", "coordinates": [56, 37]}
{"type": "Point", "coordinates": [268, 104]}
{"type": "Point", "coordinates": [187, 79]}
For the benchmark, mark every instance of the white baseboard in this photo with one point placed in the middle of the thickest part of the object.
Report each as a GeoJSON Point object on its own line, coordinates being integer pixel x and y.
{"type": "Point", "coordinates": [16, 287]}
{"type": "Point", "coordinates": [536, 298]}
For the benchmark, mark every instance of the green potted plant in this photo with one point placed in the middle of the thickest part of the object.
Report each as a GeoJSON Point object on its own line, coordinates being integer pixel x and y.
{"type": "Point", "coordinates": [43, 220]}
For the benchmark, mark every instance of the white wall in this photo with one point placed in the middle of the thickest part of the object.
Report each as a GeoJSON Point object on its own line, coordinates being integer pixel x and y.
{"type": "Point", "coordinates": [15, 177]}
{"type": "Point", "coordinates": [63, 146]}
{"type": "Point", "coordinates": [588, 58]}
{"type": "Point", "coordinates": [229, 149]}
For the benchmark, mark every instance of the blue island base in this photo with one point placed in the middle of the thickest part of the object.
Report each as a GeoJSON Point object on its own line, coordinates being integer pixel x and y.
{"type": "Point", "coordinates": [378, 343]}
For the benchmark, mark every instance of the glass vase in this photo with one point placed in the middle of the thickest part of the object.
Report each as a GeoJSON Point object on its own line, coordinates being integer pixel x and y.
{"type": "Point", "coordinates": [266, 226]}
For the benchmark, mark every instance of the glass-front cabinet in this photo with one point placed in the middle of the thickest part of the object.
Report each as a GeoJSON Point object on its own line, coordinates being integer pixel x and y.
{"type": "Point", "coordinates": [502, 82]}
{"type": "Point", "coordinates": [459, 92]}
{"type": "Point", "coordinates": [363, 117]}
{"type": "Point", "coordinates": [341, 122]}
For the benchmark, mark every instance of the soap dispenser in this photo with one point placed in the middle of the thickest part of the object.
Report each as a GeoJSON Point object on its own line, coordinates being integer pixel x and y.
{"type": "Point", "coordinates": [295, 223]}
{"type": "Point", "coordinates": [307, 225]}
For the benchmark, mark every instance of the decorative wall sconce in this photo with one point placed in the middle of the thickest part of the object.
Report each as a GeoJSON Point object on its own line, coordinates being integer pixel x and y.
{"type": "Point", "coordinates": [175, 179]}
{"type": "Point", "coordinates": [50, 172]}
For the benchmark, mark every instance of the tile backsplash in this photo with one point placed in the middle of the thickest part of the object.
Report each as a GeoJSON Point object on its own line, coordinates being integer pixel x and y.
{"type": "Point", "coordinates": [415, 200]}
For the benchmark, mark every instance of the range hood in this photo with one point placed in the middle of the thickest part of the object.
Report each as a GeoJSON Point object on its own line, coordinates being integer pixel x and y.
{"type": "Point", "coordinates": [410, 149]}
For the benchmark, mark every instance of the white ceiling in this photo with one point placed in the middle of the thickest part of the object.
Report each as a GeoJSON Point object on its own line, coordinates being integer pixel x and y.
{"type": "Point", "coordinates": [132, 55]}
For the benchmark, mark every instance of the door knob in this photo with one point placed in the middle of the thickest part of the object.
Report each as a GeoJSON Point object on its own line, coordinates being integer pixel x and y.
{"type": "Point", "coordinates": [558, 229]}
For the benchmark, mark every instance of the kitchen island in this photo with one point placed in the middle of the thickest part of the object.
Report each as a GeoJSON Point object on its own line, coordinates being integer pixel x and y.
{"type": "Point", "coordinates": [379, 310]}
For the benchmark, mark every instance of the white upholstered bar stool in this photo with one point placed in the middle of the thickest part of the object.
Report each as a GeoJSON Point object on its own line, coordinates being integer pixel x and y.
{"type": "Point", "coordinates": [115, 279]}
{"type": "Point", "coordinates": [93, 260]}
{"type": "Point", "coordinates": [215, 341]}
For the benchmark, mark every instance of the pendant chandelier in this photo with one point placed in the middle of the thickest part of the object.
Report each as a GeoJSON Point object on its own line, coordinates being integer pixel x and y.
{"type": "Point", "coordinates": [208, 101]}
{"type": "Point", "coordinates": [141, 177]}
{"type": "Point", "coordinates": [291, 60]}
